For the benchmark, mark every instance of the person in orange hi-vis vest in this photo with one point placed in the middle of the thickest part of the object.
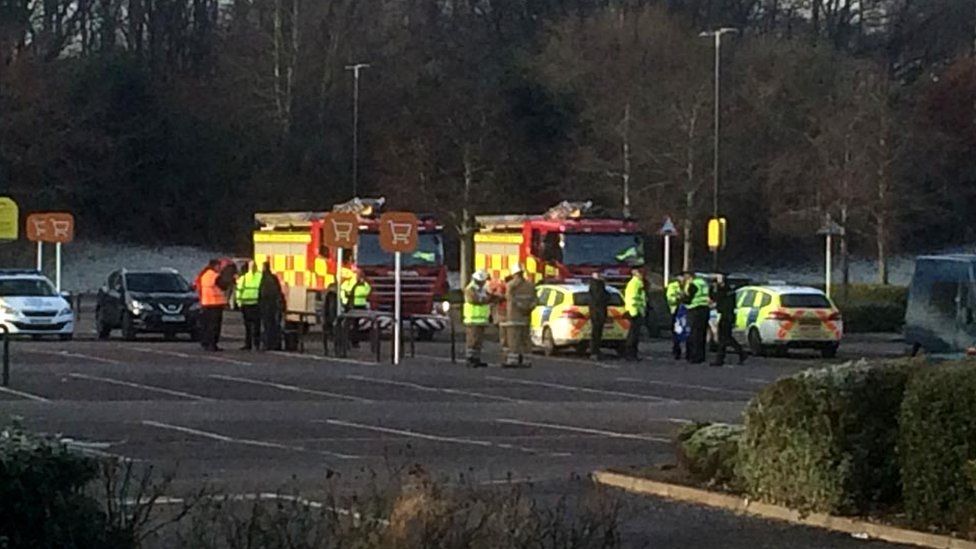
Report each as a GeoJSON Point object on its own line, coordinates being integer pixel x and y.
{"type": "Point", "coordinates": [213, 301]}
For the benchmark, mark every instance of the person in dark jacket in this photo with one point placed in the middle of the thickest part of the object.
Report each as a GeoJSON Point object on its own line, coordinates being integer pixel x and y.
{"type": "Point", "coordinates": [599, 300]}
{"type": "Point", "coordinates": [724, 298]}
{"type": "Point", "coordinates": [271, 304]}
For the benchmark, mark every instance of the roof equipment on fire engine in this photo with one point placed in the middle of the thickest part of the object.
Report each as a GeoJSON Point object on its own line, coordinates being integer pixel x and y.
{"type": "Point", "coordinates": [363, 207]}
{"type": "Point", "coordinates": [568, 210]}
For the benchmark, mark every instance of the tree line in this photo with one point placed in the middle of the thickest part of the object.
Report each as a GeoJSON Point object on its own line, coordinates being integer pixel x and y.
{"type": "Point", "coordinates": [173, 121]}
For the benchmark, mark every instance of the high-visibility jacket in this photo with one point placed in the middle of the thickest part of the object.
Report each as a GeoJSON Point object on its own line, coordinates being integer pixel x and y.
{"type": "Point", "coordinates": [700, 299]}
{"type": "Point", "coordinates": [673, 295]}
{"type": "Point", "coordinates": [635, 299]}
{"type": "Point", "coordinates": [249, 288]}
{"type": "Point", "coordinates": [476, 310]}
{"type": "Point", "coordinates": [356, 293]}
{"type": "Point", "coordinates": [210, 294]}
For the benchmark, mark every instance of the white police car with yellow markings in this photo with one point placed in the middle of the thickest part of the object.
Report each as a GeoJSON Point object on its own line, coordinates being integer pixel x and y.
{"type": "Point", "coordinates": [562, 318]}
{"type": "Point", "coordinates": [785, 317]}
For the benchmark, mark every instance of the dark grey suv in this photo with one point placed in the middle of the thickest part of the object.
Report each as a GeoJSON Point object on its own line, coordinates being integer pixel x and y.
{"type": "Point", "coordinates": [147, 302]}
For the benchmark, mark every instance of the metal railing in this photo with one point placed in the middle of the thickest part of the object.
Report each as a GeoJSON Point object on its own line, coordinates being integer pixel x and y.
{"type": "Point", "coordinates": [341, 332]}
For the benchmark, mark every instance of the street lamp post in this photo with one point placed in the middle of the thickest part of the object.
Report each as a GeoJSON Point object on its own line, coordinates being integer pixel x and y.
{"type": "Point", "coordinates": [356, 69]}
{"type": "Point", "coordinates": [717, 36]}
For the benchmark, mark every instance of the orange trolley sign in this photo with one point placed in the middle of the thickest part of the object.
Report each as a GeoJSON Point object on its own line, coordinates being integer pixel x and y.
{"type": "Point", "coordinates": [56, 228]}
{"type": "Point", "coordinates": [398, 234]}
{"type": "Point", "coordinates": [340, 230]}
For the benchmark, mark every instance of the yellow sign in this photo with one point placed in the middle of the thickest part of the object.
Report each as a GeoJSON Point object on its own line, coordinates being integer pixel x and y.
{"type": "Point", "coordinates": [9, 218]}
{"type": "Point", "coordinates": [716, 233]}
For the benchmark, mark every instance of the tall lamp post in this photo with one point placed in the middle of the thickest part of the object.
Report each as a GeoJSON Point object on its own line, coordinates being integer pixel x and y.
{"type": "Point", "coordinates": [717, 36]}
{"type": "Point", "coordinates": [356, 69]}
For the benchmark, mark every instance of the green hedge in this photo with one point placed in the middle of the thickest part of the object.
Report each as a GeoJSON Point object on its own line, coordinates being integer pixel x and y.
{"type": "Point", "coordinates": [43, 503]}
{"type": "Point", "coordinates": [709, 452]}
{"type": "Point", "coordinates": [937, 448]}
{"type": "Point", "coordinates": [824, 440]}
{"type": "Point", "coordinates": [871, 307]}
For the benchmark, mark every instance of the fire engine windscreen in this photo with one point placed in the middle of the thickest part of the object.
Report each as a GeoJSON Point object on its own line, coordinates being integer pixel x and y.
{"type": "Point", "coordinates": [429, 252]}
{"type": "Point", "coordinates": [602, 249]}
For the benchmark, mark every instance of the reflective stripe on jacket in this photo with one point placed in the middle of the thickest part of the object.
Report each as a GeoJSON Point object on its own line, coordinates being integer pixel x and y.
{"type": "Point", "coordinates": [476, 308]}
{"type": "Point", "coordinates": [356, 294]}
{"type": "Point", "coordinates": [210, 294]}
{"type": "Point", "coordinates": [249, 288]}
{"type": "Point", "coordinates": [673, 295]}
{"type": "Point", "coordinates": [635, 300]}
{"type": "Point", "coordinates": [700, 299]}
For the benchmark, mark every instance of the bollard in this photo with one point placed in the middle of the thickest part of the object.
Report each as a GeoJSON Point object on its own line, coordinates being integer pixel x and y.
{"type": "Point", "coordinates": [413, 338]}
{"type": "Point", "coordinates": [450, 319]}
{"type": "Point", "coordinates": [6, 355]}
{"type": "Point", "coordinates": [375, 335]}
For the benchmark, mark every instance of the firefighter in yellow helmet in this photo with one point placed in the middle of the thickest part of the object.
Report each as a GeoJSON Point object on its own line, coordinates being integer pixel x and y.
{"type": "Point", "coordinates": [477, 313]}
{"type": "Point", "coordinates": [520, 294]}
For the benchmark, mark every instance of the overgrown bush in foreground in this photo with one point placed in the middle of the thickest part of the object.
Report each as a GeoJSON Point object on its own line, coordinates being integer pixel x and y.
{"type": "Point", "coordinates": [710, 452]}
{"type": "Point", "coordinates": [423, 514]}
{"type": "Point", "coordinates": [937, 448]}
{"type": "Point", "coordinates": [824, 440]}
{"type": "Point", "coordinates": [44, 502]}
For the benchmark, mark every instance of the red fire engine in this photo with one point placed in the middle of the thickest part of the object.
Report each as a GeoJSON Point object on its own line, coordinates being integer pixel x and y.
{"type": "Point", "coordinates": [561, 244]}
{"type": "Point", "coordinates": [292, 242]}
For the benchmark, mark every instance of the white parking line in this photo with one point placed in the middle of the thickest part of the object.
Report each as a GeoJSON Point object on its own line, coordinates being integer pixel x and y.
{"type": "Point", "coordinates": [22, 394]}
{"type": "Point", "coordinates": [192, 357]}
{"type": "Point", "coordinates": [580, 362]}
{"type": "Point", "coordinates": [579, 389]}
{"type": "Point", "coordinates": [759, 381]}
{"type": "Point", "coordinates": [687, 386]}
{"type": "Point", "coordinates": [324, 358]}
{"type": "Point", "coordinates": [68, 354]}
{"type": "Point", "coordinates": [439, 438]}
{"type": "Point", "coordinates": [292, 388]}
{"type": "Point", "coordinates": [243, 441]}
{"type": "Point", "coordinates": [585, 430]}
{"type": "Point", "coordinates": [151, 388]}
{"type": "Point", "coordinates": [431, 389]}
{"type": "Point", "coordinates": [263, 496]}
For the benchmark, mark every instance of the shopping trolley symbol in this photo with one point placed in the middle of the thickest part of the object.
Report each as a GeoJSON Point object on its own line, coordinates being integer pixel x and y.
{"type": "Point", "coordinates": [400, 232]}
{"type": "Point", "coordinates": [343, 229]}
{"type": "Point", "coordinates": [56, 227]}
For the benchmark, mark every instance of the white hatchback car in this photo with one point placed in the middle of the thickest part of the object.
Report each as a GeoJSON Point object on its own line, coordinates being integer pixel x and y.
{"type": "Point", "coordinates": [29, 305]}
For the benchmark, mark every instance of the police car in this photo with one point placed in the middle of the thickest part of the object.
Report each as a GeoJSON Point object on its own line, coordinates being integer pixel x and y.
{"type": "Point", "coordinates": [787, 317]}
{"type": "Point", "coordinates": [29, 305]}
{"type": "Point", "coordinates": [562, 318]}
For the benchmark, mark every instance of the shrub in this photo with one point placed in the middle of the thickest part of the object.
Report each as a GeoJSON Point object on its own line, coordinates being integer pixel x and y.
{"type": "Point", "coordinates": [824, 440]}
{"type": "Point", "coordinates": [43, 502]}
{"type": "Point", "coordinates": [937, 448]}
{"type": "Point", "coordinates": [710, 452]}
{"type": "Point", "coordinates": [872, 307]}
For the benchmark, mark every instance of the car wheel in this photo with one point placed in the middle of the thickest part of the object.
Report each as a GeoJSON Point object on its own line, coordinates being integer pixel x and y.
{"type": "Point", "coordinates": [104, 330]}
{"type": "Point", "coordinates": [548, 343]}
{"type": "Point", "coordinates": [128, 328]}
{"type": "Point", "coordinates": [829, 351]}
{"type": "Point", "coordinates": [755, 343]}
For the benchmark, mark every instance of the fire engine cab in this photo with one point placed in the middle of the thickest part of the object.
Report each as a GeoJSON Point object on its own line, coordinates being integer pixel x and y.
{"type": "Point", "coordinates": [559, 245]}
{"type": "Point", "coordinates": [292, 243]}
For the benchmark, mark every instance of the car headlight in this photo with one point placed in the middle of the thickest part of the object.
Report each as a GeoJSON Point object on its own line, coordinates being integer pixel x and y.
{"type": "Point", "coordinates": [8, 310]}
{"type": "Point", "coordinates": [139, 306]}
{"type": "Point", "coordinates": [64, 312]}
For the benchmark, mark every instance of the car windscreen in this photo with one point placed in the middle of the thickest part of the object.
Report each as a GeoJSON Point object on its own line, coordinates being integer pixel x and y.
{"type": "Point", "coordinates": [26, 287]}
{"type": "Point", "coordinates": [429, 252]}
{"type": "Point", "coordinates": [804, 301]}
{"type": "Point", "coordinates": [602, 249]}
{"type": "Point", "coordinates": [582, 299]}
{"type": "Point", "coordinates": [162, 283]}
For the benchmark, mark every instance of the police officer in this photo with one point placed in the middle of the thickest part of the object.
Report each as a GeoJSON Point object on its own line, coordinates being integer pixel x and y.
{"type": "Point", "coordinates": [246, 296]}
{"type": "Point", "coordinates": [521, 299]}
{"type": "Point", "coordinates": [674, 296]}
{"type": "Point", "coordinates": [697, 301]}
{"type": "Point", "coordinates": [635, 302]}
{"type": "Point", "coordinates": [724, 299]}
{"type": "Point", "coordinates": [477, 310]}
